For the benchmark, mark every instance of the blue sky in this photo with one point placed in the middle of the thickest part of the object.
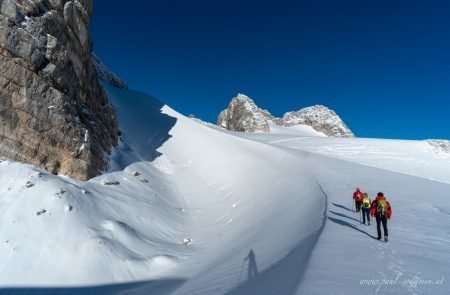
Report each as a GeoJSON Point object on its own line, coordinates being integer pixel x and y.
{"type": "Point", "coordinates": [383, 66]}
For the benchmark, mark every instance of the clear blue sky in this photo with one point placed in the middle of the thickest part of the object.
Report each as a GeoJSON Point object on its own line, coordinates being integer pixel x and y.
{"type": "Point", "coordinates": [383, 66]}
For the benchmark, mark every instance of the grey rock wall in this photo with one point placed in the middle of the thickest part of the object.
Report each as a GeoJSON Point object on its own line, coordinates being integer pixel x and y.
{"type": "Point", "coordinates": [53, 112]}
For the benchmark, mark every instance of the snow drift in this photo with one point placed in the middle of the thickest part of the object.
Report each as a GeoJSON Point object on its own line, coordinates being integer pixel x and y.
{"type": "Point", "coordinates": [189, 209]}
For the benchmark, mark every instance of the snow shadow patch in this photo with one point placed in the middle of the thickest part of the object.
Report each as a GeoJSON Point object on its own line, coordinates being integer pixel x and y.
{"type": "Point", "coordinates": [344, 223]}
{"type": "Point", "coordinates": [286, 275]}
{"type": "Point", "coordinates": [157, 287]}
{"type": "Point", "coordinates": [345, 216]}
{"type": "Point", "coordinates": [143, 125]}
{"type": "Point", "coordinates": [342, 207]}
{"type": "Point", "coordinates": [283, 277]}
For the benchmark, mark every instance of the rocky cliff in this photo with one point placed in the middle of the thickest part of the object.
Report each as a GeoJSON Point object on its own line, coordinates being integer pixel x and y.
{"type": "Point", "coordinates": [244, 115]}
{"type": "Point", "coordinates": [320, 118]}
{"type": "Point", "coordinates": [53, 111]}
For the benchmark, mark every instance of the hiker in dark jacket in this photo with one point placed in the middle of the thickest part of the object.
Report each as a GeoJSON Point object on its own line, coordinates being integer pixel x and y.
{"type": "Point", "coordinates": [382, 211]}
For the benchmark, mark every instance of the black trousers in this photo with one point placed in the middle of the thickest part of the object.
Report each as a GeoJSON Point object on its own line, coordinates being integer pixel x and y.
{"type": "Point", "coordinates": [381, 219]}
{"type": "Point", "coordinates": [358, 205]}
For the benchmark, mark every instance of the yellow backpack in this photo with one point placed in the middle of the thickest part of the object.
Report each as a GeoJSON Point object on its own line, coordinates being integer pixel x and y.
{"type": "Point", "coordinates": [366, 202]}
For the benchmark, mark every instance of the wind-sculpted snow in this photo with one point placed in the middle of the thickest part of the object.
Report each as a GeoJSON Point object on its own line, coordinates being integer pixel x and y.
{"type": "Point", "coordinates": [202, 186]}
{"type": "Point", "coordinates": [201, 210]}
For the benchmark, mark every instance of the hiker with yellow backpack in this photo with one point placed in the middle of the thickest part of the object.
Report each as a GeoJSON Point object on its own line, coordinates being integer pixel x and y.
{"type": "Point", "coordinates": [382, 211]}
{"type": "Point", "coordinates": [366, 203]}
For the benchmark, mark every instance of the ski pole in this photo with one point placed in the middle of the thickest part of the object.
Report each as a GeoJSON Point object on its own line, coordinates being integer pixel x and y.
{"type": "Point", "coordinates": [240, 273]}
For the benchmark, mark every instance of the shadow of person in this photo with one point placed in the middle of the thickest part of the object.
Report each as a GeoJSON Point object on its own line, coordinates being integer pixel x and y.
{"type": "Point", "coordinates": [252, 267]}
{"type": "Point", "coordinates": [344, 223]}
{"type": "Point", "coordinates": [345, 216]}
{"type": "Point", "coordinates": [342, 207]}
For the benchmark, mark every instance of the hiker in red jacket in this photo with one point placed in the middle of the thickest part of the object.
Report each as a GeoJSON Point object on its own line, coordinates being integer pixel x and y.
{"type": "Point", "coordinates": [382, 211]}
{"type": "Point", "coordinates": [358, 196]}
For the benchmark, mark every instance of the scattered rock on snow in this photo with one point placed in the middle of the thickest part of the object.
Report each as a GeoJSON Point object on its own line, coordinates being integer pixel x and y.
{"type": "Point", "coordinates": [110, 182]}
{"type": "Point", "coordinates": [42, 211]}
{"type": "Point", "coordinates": [187, 241]}
{"type": "Point", "coordinates": [29, 184]}
{"type": "Point", "coordinates": [68, 208]}
{"type": "Point", "coordinates": [135, 173]}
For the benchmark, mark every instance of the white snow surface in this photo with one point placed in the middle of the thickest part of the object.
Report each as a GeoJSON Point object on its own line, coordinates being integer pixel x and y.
{"type": "Point", "coordinates": [191, 209]}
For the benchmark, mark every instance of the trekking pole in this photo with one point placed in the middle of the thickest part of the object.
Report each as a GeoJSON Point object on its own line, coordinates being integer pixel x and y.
{"type": "Point", "coordinates": [240, 273]}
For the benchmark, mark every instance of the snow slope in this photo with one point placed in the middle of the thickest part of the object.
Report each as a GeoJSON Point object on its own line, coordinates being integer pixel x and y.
{"type": "Point", "coordinates": [197, 210]}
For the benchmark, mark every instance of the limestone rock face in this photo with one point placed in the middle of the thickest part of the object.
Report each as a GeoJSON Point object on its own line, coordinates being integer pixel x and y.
{"type": "Point", "coordinates": [440, 146]}
{"type": "Point", "coordinates": [243, 115]}
{"type": "Point", "coordinates": [105, 75]}
{"type": "Point", "coordinates": [53, 111]}
{"type": "Point", "coordinates": [320, 118]}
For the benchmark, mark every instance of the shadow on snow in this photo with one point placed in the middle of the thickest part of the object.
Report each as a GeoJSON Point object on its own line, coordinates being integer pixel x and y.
{"type": "Point", "coordinates": [159, 287]}
{"type": "Point", "coordinates": [344, 223]}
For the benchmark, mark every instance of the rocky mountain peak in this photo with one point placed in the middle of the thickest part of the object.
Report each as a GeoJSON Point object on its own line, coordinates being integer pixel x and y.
{"type": "Point", "coordinates": [320, 118]}
{"type": "Point", "coordinates": [53, 111]}
{"type": "Point", "coordinates": [244, 115]}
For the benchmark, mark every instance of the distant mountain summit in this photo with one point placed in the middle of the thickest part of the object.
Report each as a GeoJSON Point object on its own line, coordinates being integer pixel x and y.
{"type": "Point", "coordinates": [244, 115]}
{"type": "Point", "coordinates": [320, 118]}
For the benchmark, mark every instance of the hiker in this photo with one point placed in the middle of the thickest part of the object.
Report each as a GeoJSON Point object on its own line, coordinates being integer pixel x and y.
{"type": "Point", "coordinates": [382, 211]}
{"type": "Point", "coordinates": [366, 203]}
{"type": "Point", "coordinates": [358, 196]}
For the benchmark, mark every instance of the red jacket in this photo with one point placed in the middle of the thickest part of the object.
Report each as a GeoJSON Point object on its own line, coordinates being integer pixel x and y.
{"type": "Point", "coordinates": [358, 196]}
{"type": "Point", "coordinates": [373, 209]}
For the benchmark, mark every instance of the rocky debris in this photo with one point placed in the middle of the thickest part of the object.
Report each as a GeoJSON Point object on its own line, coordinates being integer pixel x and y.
{"type": "Point", "coordinates": [68, 208]}
{"type": "Point", "coordinates": [40, 212]}
{"type": "Point", "coordinates": [49, 89]}
{"type": "Point", "coordinates": [440, 145]}
{"type": "Point", "coordinates": [187, 241]}
{"type": "Point", "coordinates": [320, 118]}
{"type": "Point", "coordinates": [135, 173]}
{"type": "Point", "coordinates": [110, 182]}
{"type": "Point", "coordinates": [106, 75]}
{"type": "Point", "coordinates": [244, 115]}
{"type": "Point", "coordinates": [60, 193]}
{"type": "Point", "coordinates": [29, 184]}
